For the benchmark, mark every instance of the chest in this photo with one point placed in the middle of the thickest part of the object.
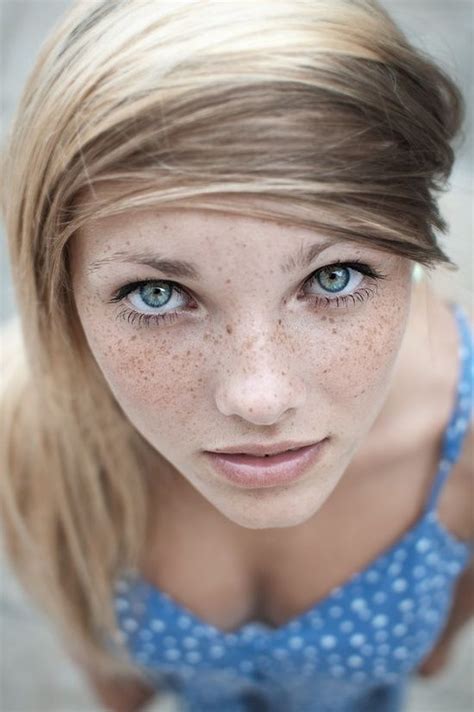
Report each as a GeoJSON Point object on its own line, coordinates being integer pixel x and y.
{"type": "Point", "coordinates": [228, 583]}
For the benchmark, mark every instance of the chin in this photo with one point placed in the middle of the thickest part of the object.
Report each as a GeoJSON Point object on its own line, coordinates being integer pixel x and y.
{"type": "Point", "coordinates": [282, 512]}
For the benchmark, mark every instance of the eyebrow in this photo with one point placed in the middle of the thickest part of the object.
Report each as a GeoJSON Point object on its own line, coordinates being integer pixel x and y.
{"type": "Point", "coordinates": [184, 269]}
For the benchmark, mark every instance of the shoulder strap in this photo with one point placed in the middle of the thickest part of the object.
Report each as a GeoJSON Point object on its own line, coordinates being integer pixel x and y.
{"type": "Point", "coordinates": [461, 416]}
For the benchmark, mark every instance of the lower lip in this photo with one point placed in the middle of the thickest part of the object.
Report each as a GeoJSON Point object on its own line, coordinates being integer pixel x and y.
{"type": "Point", "coordinates": [252, 472]}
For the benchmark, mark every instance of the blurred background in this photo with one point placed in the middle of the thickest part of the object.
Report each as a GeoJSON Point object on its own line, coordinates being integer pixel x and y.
{"type": "Point", "coordinates": [34, 674]}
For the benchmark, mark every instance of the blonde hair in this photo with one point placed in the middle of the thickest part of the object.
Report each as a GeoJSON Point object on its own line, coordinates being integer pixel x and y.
{"type": "Point", "coordinates": [320, 106]}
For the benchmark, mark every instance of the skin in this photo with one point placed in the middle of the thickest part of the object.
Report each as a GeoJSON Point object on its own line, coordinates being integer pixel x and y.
{"type": "Point", "coordinates": [255, 358]}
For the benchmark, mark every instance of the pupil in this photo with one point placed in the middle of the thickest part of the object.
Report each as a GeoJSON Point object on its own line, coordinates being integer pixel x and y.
{"type": "Point", "coordinates": [334, 279]}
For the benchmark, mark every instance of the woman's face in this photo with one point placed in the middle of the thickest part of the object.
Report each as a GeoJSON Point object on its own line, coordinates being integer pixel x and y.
{"type": "Point", "coordinates": [251, 341]}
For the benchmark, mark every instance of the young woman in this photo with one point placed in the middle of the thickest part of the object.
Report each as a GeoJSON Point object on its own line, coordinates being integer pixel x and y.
{"type": "Point", "coordinates": [238, 428]}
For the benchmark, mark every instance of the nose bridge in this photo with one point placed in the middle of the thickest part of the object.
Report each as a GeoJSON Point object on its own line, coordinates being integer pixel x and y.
{"type": "Point", "coordinates": [260, 381]}
{"type": "Point", "coordinates": [254, 343]}
{"type": "Point", "coordinates": [254, 340]}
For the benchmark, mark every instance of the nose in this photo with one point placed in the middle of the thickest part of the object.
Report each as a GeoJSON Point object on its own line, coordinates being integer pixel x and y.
{"type": "Point", "coordinates": [259, 383]}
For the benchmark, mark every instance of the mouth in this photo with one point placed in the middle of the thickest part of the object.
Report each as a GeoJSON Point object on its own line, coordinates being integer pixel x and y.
{"type": "Point", "coordinates": [272, 455]}
{"type": "Point", "coordinates": [264, 449]}
{"type": "Point", "coordinates": [266, 470]}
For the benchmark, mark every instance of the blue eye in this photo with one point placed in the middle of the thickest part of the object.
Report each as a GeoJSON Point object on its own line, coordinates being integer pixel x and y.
{"type": "Point", "coordinates": [154, 294]}
{"type": "Point", "coordinates": [333, 278]}
{"type": "Point", "coordinates": [342, 283]}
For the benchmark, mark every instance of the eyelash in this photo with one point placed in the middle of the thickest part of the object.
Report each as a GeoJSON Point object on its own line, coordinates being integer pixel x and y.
{"type": "Point", "coordinates": [317, 300]}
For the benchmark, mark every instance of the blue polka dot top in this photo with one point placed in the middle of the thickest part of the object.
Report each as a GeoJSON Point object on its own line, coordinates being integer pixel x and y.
{"type": "Point", "coordinates": [353, 651]}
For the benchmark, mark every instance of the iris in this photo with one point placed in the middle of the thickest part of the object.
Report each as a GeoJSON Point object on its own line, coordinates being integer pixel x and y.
{"type": "Point", "coordinates": [155, 295]}
{"type": "Point", "coordinates": [333, 278]}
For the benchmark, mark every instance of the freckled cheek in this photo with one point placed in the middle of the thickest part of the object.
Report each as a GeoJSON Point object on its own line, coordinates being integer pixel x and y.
{"type": "Point", "coordinates": [146, 374]}
{"type": "Point", "coordinates": [359, 363]}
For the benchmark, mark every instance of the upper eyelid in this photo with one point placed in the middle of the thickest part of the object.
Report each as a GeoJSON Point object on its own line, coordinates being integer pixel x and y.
{"type": "Point", "coordinates": [132, 286]}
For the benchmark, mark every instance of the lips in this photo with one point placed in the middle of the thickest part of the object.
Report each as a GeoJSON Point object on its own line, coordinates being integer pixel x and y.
{"type": "Point", "coordinates": [243, 458]}
{"type": "Point", "coordinates": [260, 449]}
{"type": "Point", "coordinates": [253, 471]}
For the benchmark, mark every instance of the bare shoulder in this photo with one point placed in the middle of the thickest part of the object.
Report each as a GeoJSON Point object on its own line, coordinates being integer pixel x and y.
{"type": "Point", "coordinates": [461, 479]}
{"type": "Point", "coordinates": [462, 482]}
{"type": "Point", "coordinates": [427, 381]}
{"type": "Point", "coordinates": [427, 370]}
{"type": "Point", "coordinates": [465, 465]}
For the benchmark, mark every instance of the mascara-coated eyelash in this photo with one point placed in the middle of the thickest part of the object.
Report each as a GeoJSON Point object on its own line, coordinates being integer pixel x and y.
{"type": "Point", "coordinates": [364, 292]}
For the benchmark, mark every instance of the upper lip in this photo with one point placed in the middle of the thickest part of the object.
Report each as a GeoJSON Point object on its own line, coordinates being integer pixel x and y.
{"type": "Point", "coordinates": [262, 448]}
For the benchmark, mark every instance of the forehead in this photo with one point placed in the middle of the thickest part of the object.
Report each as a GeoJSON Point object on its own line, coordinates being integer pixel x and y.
{"type": "Point", "coordinates": [222, 226]}
{"type": "Point", "coordinates": [188, 227]}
